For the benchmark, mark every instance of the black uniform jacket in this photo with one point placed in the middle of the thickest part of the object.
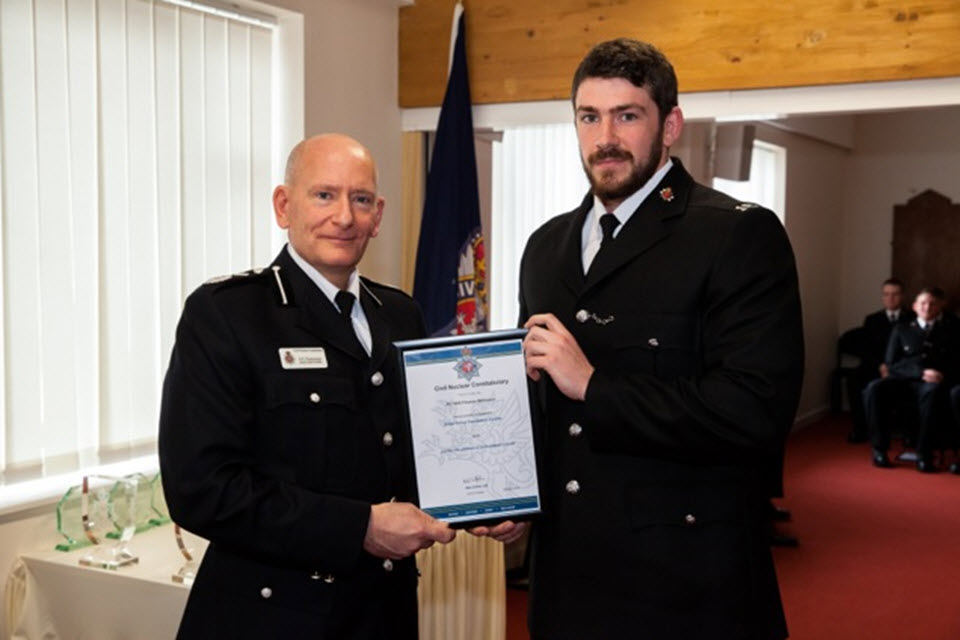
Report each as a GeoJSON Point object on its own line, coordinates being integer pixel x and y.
{"type": "Point", "coordinates": [876, 334]}
{"type": "Point", "coordinates": [278, 466]}
{"type": "Point", "coordinates": [652, 526]}
{"type": "Point", "coordinates": [910, 349]}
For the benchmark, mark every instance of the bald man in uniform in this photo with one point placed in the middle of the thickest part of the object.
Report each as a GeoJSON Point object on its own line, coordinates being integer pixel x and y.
{"type": "Point", "coordinates": [280, 438]}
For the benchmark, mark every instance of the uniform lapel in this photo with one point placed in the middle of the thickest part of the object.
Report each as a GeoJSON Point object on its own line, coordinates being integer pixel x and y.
{"type": "Point", "coordinates": [570, 251]}
{"type": "Point", "coordinates": [380, 333]}
{"type": "Point", "coordinates": [647, 226]}
{"type": "Point", "coordinates": [317, 315]}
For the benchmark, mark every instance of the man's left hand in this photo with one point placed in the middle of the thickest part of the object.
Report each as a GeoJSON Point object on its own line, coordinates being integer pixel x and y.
{"type": "Point", "coordinates": [550, 347]}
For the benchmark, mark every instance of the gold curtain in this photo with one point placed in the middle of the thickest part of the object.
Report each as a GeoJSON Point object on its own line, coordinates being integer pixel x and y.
{"type": "Point", "coordinates": [413, 177]}
{"type": "Point", "coordinates": [463, 590]}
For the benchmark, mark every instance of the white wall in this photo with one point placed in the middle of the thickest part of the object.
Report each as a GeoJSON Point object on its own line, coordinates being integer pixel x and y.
{"type": "Point", "coordinates": [350, 78]}
{"type": "Point", "coordinates": [896, 156]}
{"type": "Point", "coordinates": [812, 216]}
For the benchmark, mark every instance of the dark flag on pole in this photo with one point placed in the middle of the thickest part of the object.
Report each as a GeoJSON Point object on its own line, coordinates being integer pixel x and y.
{"type": "Point", "coordinates": [450, 281]}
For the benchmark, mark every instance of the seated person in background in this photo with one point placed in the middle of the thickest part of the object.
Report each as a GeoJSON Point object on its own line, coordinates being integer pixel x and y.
{"type": "Point", "coordinates": [876, 332]}
{"type": "Point", "coordinates": [921, 361]}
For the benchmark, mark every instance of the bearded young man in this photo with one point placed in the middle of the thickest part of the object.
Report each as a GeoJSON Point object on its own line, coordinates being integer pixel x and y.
{"type": "Point", "coordinates": [666, 342]}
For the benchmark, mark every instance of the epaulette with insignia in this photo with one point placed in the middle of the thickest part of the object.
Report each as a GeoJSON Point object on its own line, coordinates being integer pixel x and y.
{"type": "Point", "coordinates": [258, 274]}
{"type": "Point", "coordinates": [239, 276]}
{"type": "Point", "coordinates": [746, 206]}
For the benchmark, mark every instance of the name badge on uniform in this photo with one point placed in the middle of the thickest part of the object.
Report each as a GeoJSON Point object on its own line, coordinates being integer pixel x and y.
{"type": "Point", "coordinates": [303, 357]}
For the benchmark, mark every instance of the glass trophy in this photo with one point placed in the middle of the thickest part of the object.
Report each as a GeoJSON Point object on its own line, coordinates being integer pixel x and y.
{"type": "Point", "coordinates": [188, 571]}
{"type": "Point", "coordinates": [109, 505]}
{"type": "Point", "coordinates": [70, 520]}
{"type": "Point", "coordinates": [140, 506]}
{"type": "Point", "coordinates": [158, 503]}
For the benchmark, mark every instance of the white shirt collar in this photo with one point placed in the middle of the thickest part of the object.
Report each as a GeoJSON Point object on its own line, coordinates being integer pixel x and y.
{"type": "Point", "coordinates": [626, 208]}
{"type": "Point", "coordinates": [328, 288]}
{"type": "Point", "coordinates": [591, 234]}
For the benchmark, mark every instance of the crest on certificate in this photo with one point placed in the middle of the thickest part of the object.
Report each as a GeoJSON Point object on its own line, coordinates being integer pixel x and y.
{"type": "Point", "coordinates": [467, 366]}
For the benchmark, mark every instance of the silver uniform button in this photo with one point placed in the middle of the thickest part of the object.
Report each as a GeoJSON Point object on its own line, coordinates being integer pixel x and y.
{"type": "Point", "coordinates": [653, 342]}
{"type": "Point", "coordinates": [388, 565]}
{"type": "Point", "coordinates": [583, 315]}
{"type": "Point", "coordinates": [376, 379]}
{"type": "Point", "coordinates": [575, 430]}
{"type": "Point", "coordinates": [690, 518]}
{"type": "Point", "coordinates": [266, 592]}
{"type": "Point", "coordinates": [573, 487]}
{"type": "Point", "coordinates": [314, 397]}
{"type": "Point", "coordinates": [387, 439]}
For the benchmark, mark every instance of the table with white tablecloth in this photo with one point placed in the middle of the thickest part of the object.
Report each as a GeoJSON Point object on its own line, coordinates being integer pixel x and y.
{"type": "Point", "coordinates": [50, 595]}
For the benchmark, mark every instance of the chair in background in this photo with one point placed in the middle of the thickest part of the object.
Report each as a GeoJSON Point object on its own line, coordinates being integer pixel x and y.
{"type": "Point", "coordinates": [849, 354]}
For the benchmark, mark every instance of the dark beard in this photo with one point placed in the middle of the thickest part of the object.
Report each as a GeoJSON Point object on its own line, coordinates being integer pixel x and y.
{"type": "Point", "coordinates": [638, 177]}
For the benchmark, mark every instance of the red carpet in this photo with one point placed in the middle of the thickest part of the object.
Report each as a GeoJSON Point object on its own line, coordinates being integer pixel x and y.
{"type": "Point", "coordinates": [879, 554]}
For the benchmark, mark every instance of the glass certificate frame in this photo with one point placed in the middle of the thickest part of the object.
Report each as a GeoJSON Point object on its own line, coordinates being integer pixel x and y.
{"type": "Point", "coordinates": [467, 406]}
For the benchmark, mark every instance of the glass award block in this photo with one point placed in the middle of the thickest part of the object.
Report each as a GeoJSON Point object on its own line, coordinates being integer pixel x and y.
{"type": "Point", "coordinates": [158, 503]}
{"type": "Point", "coordinates": [188, 571]}
{"type": "Point", "coordinates": [141, 510]}
{"type": "Point", "coordinates": [109, 505]}
{"type": "Point", "coordinates": [70, 520]}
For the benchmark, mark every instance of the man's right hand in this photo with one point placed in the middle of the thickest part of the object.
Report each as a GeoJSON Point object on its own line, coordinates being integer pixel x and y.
{"type": "Point", "coordinates": [399, 529]}
{"type": "Point", "coordinates": [550, 347]}
{"type": "Point", "coordinates": [506, 532]}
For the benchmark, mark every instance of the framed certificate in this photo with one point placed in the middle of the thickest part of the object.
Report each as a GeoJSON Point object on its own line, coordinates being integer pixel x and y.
{"type": "Point", "coordinates": [467, 406]}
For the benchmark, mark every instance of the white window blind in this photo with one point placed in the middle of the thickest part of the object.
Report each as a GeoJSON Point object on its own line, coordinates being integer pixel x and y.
{"type": "Point", "coordinates": [537, 174]}
{"type": "Point", "coordinates": [136, 140]}
{"type": "Point", "coordinates": [768, 177]}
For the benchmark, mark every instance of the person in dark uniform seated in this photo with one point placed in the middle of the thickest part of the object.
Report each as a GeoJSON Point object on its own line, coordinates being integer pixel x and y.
{"type": "Point", "coordinates": [875, 335]}
{"type": "Point", "coordinates": [280, 433]}
{"type": "Point", "coordinates": [921, 363]}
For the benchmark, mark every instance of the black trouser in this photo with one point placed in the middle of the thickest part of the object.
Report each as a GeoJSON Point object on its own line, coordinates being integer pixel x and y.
{"type": "Point", "coordinates": [886, 399]}
{"type": "Point", "coordinates": [856, 381]}
{"type": "Point", "coordinates": [955, 407]}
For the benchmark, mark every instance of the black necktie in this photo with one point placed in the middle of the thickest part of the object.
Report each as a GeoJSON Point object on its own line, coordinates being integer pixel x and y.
{"type": "Point", "coordinates": [609, 224]}
{"type": "Point", "coordinates": [345, 300]}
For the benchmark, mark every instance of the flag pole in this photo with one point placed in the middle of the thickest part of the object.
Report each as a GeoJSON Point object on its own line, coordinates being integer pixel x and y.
{"type": "Point", "coordinates": [454, 27]}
